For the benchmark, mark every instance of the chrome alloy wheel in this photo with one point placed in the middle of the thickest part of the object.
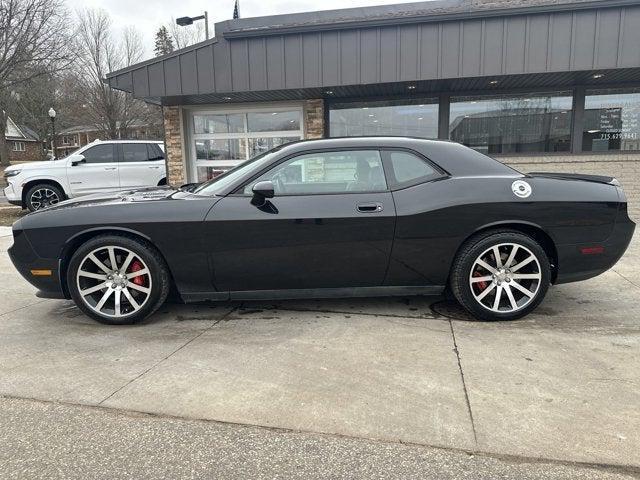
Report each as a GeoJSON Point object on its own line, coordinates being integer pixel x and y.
{"type": "Point", "coordinates": [505, 278]}
{"type": "Point", "coordinates": [44, 197]}
{"type": "Point", "coordinates": [114, 281]}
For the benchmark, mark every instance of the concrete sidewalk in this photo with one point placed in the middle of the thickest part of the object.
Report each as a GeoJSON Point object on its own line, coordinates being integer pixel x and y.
{"type": "Point", "coordinates": [562, 384]}
{"type": "Point", "coordinates": [48, 440]}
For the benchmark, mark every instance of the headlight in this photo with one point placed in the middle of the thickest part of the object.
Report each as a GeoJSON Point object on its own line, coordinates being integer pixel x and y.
{"type": "Point", "coordinates": [11, 173]}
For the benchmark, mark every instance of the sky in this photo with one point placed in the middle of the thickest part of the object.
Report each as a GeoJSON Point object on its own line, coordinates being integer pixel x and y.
{"type": "Point", "coordinates": [147, 16]}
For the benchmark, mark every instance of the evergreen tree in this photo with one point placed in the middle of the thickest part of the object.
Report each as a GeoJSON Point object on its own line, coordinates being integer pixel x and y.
{"type": "Point", "coordinates": [164, 42]}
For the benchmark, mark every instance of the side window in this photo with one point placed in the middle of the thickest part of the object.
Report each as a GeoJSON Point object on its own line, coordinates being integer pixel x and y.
{"type": "Point", "coordinates": [155, 152]}
{"type": "Point", "coordinates": [407, 169]}
{"type": "Point", "coordinates": [99, 154]}
{"type": "Point", "coordinates": [134, 152]}
{"type": "Point", "coordinates": [327, 172]}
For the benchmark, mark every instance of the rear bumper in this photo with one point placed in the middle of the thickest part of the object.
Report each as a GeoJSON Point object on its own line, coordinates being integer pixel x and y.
{"type": "Point", "coordinates": [574, 265]}
{"type": "Point", "coordinates": [26, 261]}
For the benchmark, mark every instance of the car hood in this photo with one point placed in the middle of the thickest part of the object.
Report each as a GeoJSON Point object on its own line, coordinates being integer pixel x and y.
{"type": "Point", "coordinates": [38, 165]}
{"type": "Point", "coordinates": [150, 194]}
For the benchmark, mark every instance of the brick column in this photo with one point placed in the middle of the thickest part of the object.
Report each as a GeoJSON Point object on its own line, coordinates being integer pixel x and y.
{"type": "Point", "coordinates": [173, 144]}
{"type": "Point", "coordinates": [313, 119]}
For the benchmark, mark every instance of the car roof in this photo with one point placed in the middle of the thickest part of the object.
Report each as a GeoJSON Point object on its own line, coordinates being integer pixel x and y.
{"type": "Point", "coordinates": [456, 159]}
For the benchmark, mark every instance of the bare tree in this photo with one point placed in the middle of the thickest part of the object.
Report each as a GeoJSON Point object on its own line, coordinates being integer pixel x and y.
{"type": "Point", "coordinates": [100, 52]}
{"type": "Point", "coordinates": [33, 43]}
{"type": "Point", "coordinates": [188, 35]}
{"type": "Point", "coordinates": [31, 101]}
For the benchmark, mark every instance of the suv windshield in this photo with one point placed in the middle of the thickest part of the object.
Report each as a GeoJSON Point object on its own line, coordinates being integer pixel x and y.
{"type": "Point", "coordinates": [217, 185]}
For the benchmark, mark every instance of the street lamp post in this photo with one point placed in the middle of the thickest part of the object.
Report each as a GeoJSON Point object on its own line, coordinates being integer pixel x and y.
{"type": "Point", "coordinates": [185, 21]}
{"type": "Point", "coordinates": [52, 116]}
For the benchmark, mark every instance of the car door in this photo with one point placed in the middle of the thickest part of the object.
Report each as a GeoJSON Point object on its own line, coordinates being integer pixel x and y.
{"type": "Point", "coordinates": [141, 165]}
{"type": "Point", "coordinates": [329, 225]}
{"type": "Point", "coordinates": [96, 173]}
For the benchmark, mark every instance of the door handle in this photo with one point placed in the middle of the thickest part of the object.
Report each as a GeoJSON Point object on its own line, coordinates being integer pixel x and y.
{"type": "Point", "coordinates": [370, 207]}
{"type": "Point", "coordinates": [157, 166]}
{"type": "Point", "coordinates": [110, 168]}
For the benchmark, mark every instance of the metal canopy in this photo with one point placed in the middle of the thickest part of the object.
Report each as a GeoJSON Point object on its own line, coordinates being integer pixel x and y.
{"type": "Point", "coordinates": [533, 46]}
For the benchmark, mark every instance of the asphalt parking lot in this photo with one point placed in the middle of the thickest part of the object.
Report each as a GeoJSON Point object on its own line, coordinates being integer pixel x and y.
{"type": "Point", "coordinates": [561, 386]}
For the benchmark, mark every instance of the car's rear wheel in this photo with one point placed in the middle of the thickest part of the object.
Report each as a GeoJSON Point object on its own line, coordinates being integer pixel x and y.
{"type": "Point", "coordinates": [118, 280]}
{"type": "Point", "coordinates": [500, 275]}
{"type": "Point", "coordinates": [42, 195]}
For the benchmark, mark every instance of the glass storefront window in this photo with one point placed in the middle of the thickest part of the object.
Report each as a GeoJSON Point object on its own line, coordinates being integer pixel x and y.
{"type": "Point", "coordinates": [205, 173]}
{"type": "Point", "coordinates": [233, 123]}
{"type": "Point", "coordinates": [264, 144]}
{"type": "Point", "coordinates": [414, 118]}
{"type": "Point", "coordinates": [229, 149]}
{"type": "Point", "coordinates": [273, 121]}
{"type": "Point", "coordinates": [513, 124]}
{"type": "Point", "coordinates": [221, 140]}
{"type": "Point", "coordinates": [611, 121]}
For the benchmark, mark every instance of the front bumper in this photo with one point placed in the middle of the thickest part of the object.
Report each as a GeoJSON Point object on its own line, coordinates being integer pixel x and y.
{"type": "Point", "coordinates": [26, 261]}
{"type": "Point", "coordinates": [13, 195]}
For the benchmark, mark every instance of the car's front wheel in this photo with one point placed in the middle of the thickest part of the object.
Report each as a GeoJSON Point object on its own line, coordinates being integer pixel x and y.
{"type": "Point", "coordinates": [42, 195]}
{"type": "Point", "coordinates": [500, 275]}
{"type": "Point", "coordinates": [117, 280]}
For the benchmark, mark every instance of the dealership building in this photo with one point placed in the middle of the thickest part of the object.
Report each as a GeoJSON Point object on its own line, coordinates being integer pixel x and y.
{"type": "Point", "coordinates": [542, 85]}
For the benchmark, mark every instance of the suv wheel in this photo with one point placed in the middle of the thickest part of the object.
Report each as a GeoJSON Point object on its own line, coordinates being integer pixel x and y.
{"type": "Point", "coordinates": [500, 275]}
{"type": "Point", "coordinates": [42, 196]}
{"type": "Point", "coordinates": [118, 280]}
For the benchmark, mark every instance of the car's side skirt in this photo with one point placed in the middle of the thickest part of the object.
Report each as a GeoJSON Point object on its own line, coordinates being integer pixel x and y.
{"type": "Point", "coordinates": [292, 294]}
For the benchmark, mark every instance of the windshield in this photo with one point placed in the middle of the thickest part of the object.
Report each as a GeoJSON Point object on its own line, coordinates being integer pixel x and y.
{"type": "Point", "coordinates": [217, 185]}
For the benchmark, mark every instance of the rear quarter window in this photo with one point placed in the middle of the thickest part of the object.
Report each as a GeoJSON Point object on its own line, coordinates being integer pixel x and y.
{"type": "Point", "coordinates": [406, 169]}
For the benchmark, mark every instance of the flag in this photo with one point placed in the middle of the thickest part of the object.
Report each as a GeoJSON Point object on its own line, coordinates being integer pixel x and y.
{"type": "Point", "coordinates": [236, 10]}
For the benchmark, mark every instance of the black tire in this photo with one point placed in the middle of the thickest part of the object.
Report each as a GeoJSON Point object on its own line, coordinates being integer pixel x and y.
{"type": "Point", "coordinates": [160, 279]}
{"type": "Point", "coordinates": [32, 203]}
{"type": "Point", "coordinates": [466, 260]}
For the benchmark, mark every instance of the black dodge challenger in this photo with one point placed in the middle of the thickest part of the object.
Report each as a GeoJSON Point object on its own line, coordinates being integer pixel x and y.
{"type": "Point", "coordinates": [368, 216]}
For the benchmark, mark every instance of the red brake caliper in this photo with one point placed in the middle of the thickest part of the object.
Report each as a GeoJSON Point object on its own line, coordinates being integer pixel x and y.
{"type": "Point", "coordinates": [481, 285]}
{"type": "Point", "coordinates": [136, 266]}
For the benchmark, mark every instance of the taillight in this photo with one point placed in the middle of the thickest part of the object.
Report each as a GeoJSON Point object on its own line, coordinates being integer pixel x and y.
{"type": "Point", "coordinates": [597, 250]}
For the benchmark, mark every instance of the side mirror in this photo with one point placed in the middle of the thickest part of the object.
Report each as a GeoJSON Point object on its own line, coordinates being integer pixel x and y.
{"type": "Point", "coordinates": [78, 159]}
{"type": "Point", "coordinates": [262, 191]}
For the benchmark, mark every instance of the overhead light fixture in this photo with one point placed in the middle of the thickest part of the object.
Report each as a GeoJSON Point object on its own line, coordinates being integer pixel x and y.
{"type": "Point", "coordinates": [371, 115]}
{"type": "Point", "coordinates": [598, 75]}
{"type": "Point", "coordinates": [365, 108]}
{"type": "Point", "coordinates": [411, 87]}
{"type": "Point", "coordinates": [593, 131]}
{"type": "Point", "coordinates": [375, 121]}
{"type": "Point", "coordinates": [186, 21]}
{"type": "Point", "coordinates": [494, 82]}
{"type": "Point", "coordinates": [329, 92]}
{"type": "Point", "coordinates": [274, 113]}
{"type": "Point", "coordinates": [226, 98]}
{"type": "Point", "coordinates": [420, 118]}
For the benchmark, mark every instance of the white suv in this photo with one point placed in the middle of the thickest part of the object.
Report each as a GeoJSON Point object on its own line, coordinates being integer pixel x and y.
{"type": "Point", "coordinates": [101, 166]}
